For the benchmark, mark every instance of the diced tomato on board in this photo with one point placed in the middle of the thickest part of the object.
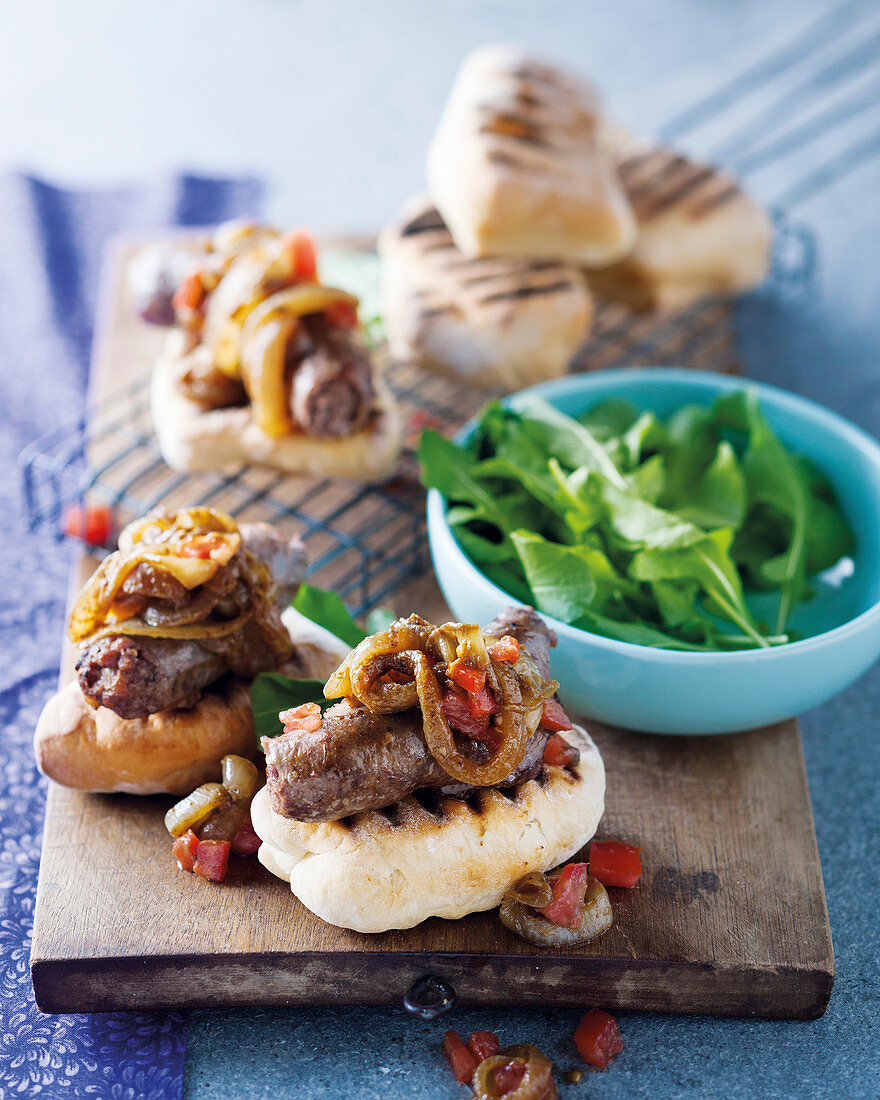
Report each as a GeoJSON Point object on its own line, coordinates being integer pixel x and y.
{"type": "Point", "coordinates": [93, 523]}
{"type": "Point", "coordinates": [567, 905]}
{"type": "Point", "coordinates": [506, 649]}
{"type": "Point", "coordinates": [598, 1039]}
{"type": "Point", "coordinates": [212, 858]}
{"type": "Point", "coordinates": [184, 850]}
{"type": "Point", "coordinates": [461, 1061]}
{"type": "Point", "coordinates": [554, 717]}
{"type": "Point", "coordinates": [614, 863]}
{"type": "Point", "coordinates": [559, 754]}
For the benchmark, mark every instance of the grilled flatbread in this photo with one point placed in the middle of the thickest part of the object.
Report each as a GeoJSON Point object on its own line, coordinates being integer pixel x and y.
{"type": "Point", "coordinates": [516, 167]}
{"type": "Point", "coordinates": [497, 321]}
{"type": "Point", "coordinates": [698, 232]}
{"type": "Point", "coordinates": [433, 856]}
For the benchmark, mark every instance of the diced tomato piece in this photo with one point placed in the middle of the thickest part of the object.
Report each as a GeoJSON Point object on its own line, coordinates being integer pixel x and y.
{"type": "Point", "coordinates": [471, 679]}
{"type": "Point", "coordinates": [184, 850]}
{"type": "Point", "coordinates": [245, 842]}
{"type": "Point", "coordinates": [212, 857]}
{"type": "Point", "coordinates": [598, 1038]}
{"type": "Point", "coordinates": [93, 523]}
{"type": "Point", "coordinates": [303, 254]}
{"type": "Point", "coordinates": [461, 1061]}
{"type": "Point", "coordinates": [190, 294]}
{"type": "Point", "coordinates": [200, 548]}
{"type": "Point", "coordinates": [554, 717]}
{"type": "Point", "coordinates": [507, 649]}
{"type": "Point", "coordinates": [458, 715]}
{"type": "Point", "coordinates": [567, 906]}
{"type": "Point", "coordinates": [559, 754]}
{"type": "Point", "coordinates": [614, 863]}
{"type": "Point", "coordinates": [482, 703]}
{"type": "Point", "coordinates": [306, 717]}
{"type": "Point", "coordinates": [342, 315]}
{"type": "Point", "coordinates": [416, 423]}
{"type": "Point", "coordinates": [483, 1044]}
{"type": "Point", "coordinates": [395, 676]}
{"type": "Point", "coordinates": [507, 1079]}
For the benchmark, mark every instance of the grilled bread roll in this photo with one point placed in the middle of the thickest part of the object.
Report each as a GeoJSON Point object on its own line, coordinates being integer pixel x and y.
{"type": "Point", "coordinates": [497, 322]}
{"type": "Point", "coordinates": [171, 752]}
{"type": "Point", "coordinates": [193, 438]}
{"type": "Point", "coordinates": [516, 167]}
{"type": "Point", "coordinates": [698, 231]}
{"type": "Point", "coordinates": [433, 856]}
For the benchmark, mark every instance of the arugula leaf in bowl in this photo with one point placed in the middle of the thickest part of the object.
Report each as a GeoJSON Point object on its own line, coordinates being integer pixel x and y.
{"type": "Point", "coordinates": [648, 531]}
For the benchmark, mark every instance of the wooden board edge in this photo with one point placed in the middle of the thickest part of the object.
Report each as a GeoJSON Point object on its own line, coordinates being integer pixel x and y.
{"type": "Point", "coordinates": [362, 978]}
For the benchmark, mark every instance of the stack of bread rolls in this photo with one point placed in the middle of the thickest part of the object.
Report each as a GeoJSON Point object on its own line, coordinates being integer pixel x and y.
{"type": "Point", "coordinates": [535, 203]}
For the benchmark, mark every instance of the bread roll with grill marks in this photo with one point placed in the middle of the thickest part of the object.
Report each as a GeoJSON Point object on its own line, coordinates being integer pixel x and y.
{"type": "Point", "coordinates": [516, 167]}
{"type": "Point", "coordinates": [497, 322]}
{"type": "Point", "coordinates": [698, 232]}
{"type": "Point", "coordinates": [192, 438]}
{"type": "Point", "coordinates": [432, 856]}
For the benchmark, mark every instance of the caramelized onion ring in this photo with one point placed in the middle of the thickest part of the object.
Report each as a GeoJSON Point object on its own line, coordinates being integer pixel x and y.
{"type": "Point", "coordinates": [401, 635]}
{"type": "Point", "coordinates": [537, 1083]}
{"type": "Point", "coordinates": [138, 628]}
{"type": "Point", "coordinates": [532, 926]}
{"type": "Point", "coordinates": [386, 698]}
{"type": "Point", "coordinates": [192, 611]}
{"type": "Point", "coordinates": [441, 742]}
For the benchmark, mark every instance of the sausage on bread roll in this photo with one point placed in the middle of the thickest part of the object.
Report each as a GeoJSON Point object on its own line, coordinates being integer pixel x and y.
{"type": "Point", "coordinates": [172, 627]}
{"type": "Point", "coordinates": [499, 322]}
{"type": "Point", "coordinates": [268, 365]}
{"type": "Point", "coordinates": [516, 167]}
{"type": "Point", "coordinates": [427, 791]}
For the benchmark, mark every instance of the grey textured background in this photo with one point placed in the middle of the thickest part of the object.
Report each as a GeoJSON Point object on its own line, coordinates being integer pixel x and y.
{"type": "Point", "coordinates": [334, 102]}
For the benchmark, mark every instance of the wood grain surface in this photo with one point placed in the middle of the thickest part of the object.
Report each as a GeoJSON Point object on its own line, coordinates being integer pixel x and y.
{"type": "Point", "coordinates": [729, 917]}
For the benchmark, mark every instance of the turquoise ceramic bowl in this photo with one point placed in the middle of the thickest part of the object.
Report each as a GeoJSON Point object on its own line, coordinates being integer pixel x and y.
{"type": "Point", "coordinates": [664, 691]}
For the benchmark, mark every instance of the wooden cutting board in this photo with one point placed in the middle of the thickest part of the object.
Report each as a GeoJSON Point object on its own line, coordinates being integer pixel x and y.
{"type": "Point", "coordinates": [729, 917]}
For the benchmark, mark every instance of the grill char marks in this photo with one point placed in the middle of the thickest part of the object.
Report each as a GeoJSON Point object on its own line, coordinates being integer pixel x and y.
{"type": "Point", "coordinates": [497, 321]}
{"type": "Point", "coordinates": [658, 180]}
{"type": "Point", "coordinates": [427, 808]}
{"type": "Point", "coordinates": [504, 279]}
{"type": "Point", "coordinates": [427, 222]}
{"type": "Point", "coordinates": [526, 292]}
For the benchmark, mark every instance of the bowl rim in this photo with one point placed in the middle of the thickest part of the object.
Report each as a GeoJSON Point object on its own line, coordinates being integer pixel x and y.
{"type": "Point", "coordinates": [707, 380]}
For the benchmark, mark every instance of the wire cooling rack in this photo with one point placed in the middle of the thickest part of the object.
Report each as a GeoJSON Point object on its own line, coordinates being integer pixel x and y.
{"type": "Point", "coordinates": [819, 100]}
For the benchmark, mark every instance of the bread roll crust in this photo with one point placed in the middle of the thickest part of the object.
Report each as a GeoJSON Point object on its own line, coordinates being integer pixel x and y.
{"type": "Point", "coordinates": [193, 439]}
{"type": "Point", "coordinates": [170, 752]}
{"type": "Point", "coordinates": [516, 167]}
{"type": "Point", "coordinates": [699, 233]}
{"type": "Point", "coordinates": [497, 322]}
{"type": "Point", "coordinates": [442, 857]}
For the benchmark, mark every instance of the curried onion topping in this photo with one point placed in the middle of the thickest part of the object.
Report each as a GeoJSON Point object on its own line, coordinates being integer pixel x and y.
{"type": "Point", "coordinates": [529, 924]}
{"type": "Point", "coordinates": [179, 566]}
{"type": "Point", "coordinates": [524, 1067]}
{"type": "Point", "coordinates": [413, 664]}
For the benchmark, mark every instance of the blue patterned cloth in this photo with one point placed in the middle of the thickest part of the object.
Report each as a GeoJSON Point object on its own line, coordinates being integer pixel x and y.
{"type": "Point", "coordinates": [51, 243]}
